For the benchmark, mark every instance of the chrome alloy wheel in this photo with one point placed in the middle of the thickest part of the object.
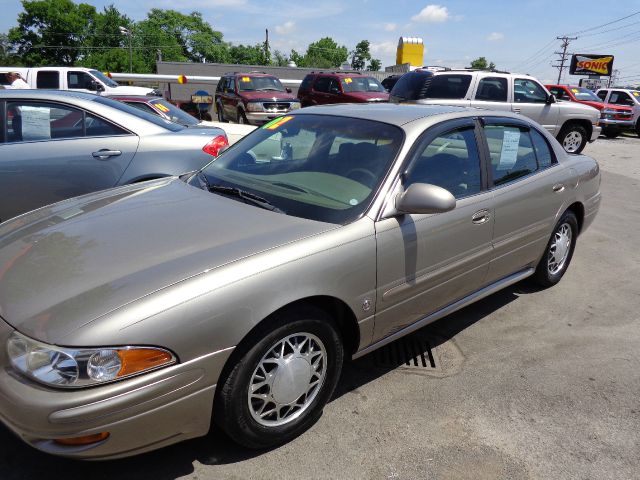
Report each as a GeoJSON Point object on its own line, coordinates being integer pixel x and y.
{"type": "Point", "coordinates": [559, 249]}
{"type": "Point", "coordinates": [287, 379]}
{"type": "Point", "coordinates": [572, 141]}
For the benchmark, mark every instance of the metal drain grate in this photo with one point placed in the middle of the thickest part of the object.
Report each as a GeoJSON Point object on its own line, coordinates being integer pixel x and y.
{"type": "Point", "coordinates": [408, 352]}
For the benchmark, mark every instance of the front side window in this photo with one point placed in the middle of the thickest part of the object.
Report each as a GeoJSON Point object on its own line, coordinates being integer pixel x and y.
{"type": "Point", "coordinates": [317, 167]}
{"type": "Point", "coordinates": [450, 161]}
{"type": "Point", "coordinates": [448, 86]}
{"type": "Point", "coordinates": [492, 89]}
{"type": "Point", "coordinates": [361, 84]}
{"type": "Point", "coordinates": [48, 79]}
{"type": "Point", "coordinates": [602, 95]}
{"type": "Point", "coordinates": [621, 98]}
{"type": "Point", "coordinates": [512, 153]}
{"type": "Point", "coordinates": [322, 84]}
{"type": "Point", "coordinates": [79, 80]}
{"type": "Point", "coordinates": [528, 91]}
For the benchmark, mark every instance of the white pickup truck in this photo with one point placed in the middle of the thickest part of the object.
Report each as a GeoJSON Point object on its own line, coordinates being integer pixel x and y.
{"type": "Point", "coordinates": [72, 78]}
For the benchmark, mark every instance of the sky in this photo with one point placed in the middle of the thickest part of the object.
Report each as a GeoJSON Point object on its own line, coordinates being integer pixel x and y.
{"type": "Point", "coordinates": [517, 35]}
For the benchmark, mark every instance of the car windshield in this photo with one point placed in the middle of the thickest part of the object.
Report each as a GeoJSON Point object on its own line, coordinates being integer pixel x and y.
{"type": "Point", "coordinates": [319, 167]}
{"type": "Point", "coordinates": [149, 117]}
{"type": "Point", "coordinates": [174, 113]}
{"type": "Point", "coordinates": [103, 78]}
{"type": "Point", "coordinates": [248, 84]}
{"type": "Point", "coordinates": [361, 84]}
{"type": "Point", "coordinates": [585, 94]}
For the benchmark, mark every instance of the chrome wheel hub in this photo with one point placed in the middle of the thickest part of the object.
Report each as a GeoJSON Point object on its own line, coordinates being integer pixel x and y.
{"type": "Point", "coordinates": [559, 249]}
{"type": "Point", "coordinates": [572, 142]}
{"type": "Point", "coordinates": [287, 379]}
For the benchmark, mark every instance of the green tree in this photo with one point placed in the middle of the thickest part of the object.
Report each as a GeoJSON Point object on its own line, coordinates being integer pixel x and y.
{"type": "Point", "coordinates": [375, 65]}
{"type": "Point", "coordinates": [6, 51]}
{"type": "Point", "coordinates": [325, 53]}
{"type": "Point", "coordinates": [52, 32]}
{"type": "Point", "coordinates": [279, 59]}
{"type": "Point", "coordinates": [360, 55]}
{"type": "Point", "coordinates": [248, 54]}
{"type": "Point", "coordinates": [481, 63]}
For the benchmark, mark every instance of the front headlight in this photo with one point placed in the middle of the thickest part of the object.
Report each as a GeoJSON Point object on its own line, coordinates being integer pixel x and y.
{"type": "Point", "coordinates": [294, 105]}
{"type": "Point", "coordinates": [76, 367]}
{"type": "Point", "coordinates": [255, 107]}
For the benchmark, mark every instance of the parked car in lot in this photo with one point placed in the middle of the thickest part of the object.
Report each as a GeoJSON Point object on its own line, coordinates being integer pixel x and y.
{"type": "Point", "coordinates": [55, 145]}
{"type": "Point", "coordinates": [321, 88]}
{"type": "Point", "coordinates": [572, 124]}
{"type": "Point", "coordinates": [171, 112]}
{"type": "Point", "coordinates": [625, 97]}
{"type": "Point", "coordinates": [252, 98]}
{"type": "Point", "coordinates": [131, 316]}
{"type": "Point", "coordinates": [390, 81]}
{"type": "Point", "coordinates": [614, 119]}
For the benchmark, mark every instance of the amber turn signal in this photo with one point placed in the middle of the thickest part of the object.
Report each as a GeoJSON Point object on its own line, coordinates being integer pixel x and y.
{"type": "Point", "coordinates": [86, 440]}
{"type": "Point", "coordinates": [138, 360]}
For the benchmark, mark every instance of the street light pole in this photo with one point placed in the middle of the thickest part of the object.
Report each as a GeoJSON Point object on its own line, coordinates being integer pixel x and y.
{"type": "Point", "coordinates": [127, 32]}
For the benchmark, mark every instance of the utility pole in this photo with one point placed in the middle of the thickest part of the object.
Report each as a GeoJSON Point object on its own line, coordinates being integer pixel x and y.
{"type": "Point", "coordinates": [127, 32]}
{"type": "Point", "coordinates": [267, 57]}
{"type": "Point", "coordinates": [613, 79]}
{"type": "Point", "coordinates": [563, 55]}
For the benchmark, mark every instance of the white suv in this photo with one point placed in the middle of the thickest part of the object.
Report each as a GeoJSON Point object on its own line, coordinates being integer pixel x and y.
{"type": "Point", "coordinates": [626, 97]}
{"type": "Point", "coordinates": [571, 123]}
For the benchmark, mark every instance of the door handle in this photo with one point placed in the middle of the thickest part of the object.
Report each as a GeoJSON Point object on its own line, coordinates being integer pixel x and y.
{"type": "Point", "coordinates": [480, 217]}
{"type": "Point", "coordinates": [516, 110]}
{"type": "Point", "coordinates": [104, 154]}
{"type": "Point", "coordinates": [558, 187]}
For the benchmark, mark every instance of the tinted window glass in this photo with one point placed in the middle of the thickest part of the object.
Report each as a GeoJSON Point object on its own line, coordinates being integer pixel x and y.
{"type": "Point", "coordinates": [312, 166]}
{"type": "Point", "coordinates": [448, 86]}
{"type": "Point", "coordinates": [412, 85]}
{"type": "Point", "coordinates": [155, 119]}
{"type": "Point", "coordinates": [31, 121]}
{"type": "Point", "coordinates": [322, 84]}
{"type": "Point", "coordinates": [96, 127]}
{"type": "Point", "coordinates": [602, 95]}
{"type": "Point", "coordinates": [334, 86]}
{"type": "Point", "coordinates": [543, 150]}
{"type": "Point", "coordinates": [361, 84]}
{"type": "Point", "coordinates": [306, 83]}
{"type": "Point", "coordinates": [512, 154]}
{"type": "Point", "coordinates": [173, 112]}
{"type": "Point", "coordinates": [492, 89]}
{"type": "Point", "coordinates": [79, 80]}
{"type": "Point", "coordinates": [142, 106]}
{"type": "Point", "coordinates": [450, 161]}
{"type": "Point", "coordinates": [528, 91]}
{"type": "Point", "coordinates": [48, 79]}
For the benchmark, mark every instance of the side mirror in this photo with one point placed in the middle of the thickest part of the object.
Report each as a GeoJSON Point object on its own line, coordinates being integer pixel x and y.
{"type": "Point", "coordinates": [551, 99]}
{"type": "Point", "coordinates": [425, 198]}
{"type": "Point", "coordinates": [288, 90]}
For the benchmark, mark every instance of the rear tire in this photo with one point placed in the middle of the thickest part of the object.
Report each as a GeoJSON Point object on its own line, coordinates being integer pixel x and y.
{"type": "Point", "coordinates": [573, 138]}
{"type": "Point", "coordinates": [559, 251]}
{"type": "Point", "coordinates": [281, 379]}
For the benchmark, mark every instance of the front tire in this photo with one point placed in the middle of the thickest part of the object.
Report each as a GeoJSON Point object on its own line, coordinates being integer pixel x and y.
{"type": "Point", "coordinates": [559, 251]}
{"type": "Point", "coordinates": [282, 378]}
{"type": "Point", "coordinates": [242, 118]}
{"type": "Point", "coordinates": [220, 113]}
{"type": "Point", "coordinates": [573, 138]}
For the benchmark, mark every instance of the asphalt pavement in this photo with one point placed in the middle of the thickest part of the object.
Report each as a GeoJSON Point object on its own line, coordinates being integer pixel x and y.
{"type": "Point", "coordinates": [526, 384]}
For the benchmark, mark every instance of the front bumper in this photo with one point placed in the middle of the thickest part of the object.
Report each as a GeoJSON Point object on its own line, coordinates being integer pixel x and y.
{"type": "Point", "coordinates": [260, 118]}
{"type": "Point", "coordinates": [597, 130]}
{"type": "Point", "coordinates": [621, 124]}
{"type": "Point", "coordinates": [141, 414]}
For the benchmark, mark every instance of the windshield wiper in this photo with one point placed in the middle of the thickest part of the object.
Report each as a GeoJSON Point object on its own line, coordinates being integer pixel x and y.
{"type": "Point", "coordinates": [247, 197]}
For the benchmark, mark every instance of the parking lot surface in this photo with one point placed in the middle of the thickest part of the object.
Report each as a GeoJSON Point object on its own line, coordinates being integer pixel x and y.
{"type": "Point", "coordinates": [527, 383]}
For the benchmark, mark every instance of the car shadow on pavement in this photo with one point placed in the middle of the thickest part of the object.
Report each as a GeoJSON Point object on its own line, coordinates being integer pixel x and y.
{"type": "Point", "coordinates": [19, 461]}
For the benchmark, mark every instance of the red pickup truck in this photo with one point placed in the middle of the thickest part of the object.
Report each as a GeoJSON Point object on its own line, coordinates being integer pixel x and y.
{"type": "Point", "coordinates": [613, 118]}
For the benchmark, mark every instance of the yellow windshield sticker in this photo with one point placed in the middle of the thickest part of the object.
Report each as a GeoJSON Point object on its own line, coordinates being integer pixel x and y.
{"type": "Point", "coordinates": [348, 80]}
{"type": "Point", "coordinates": [636, 94]}
{"type": "Point", "coordinates": [245, 79]}
{"type": "Point", "coordinates": [162, 108]}
{"type": "Point", "coordinates": [575, 90]}
{"type": "Point", "coordinates": [274, 124]}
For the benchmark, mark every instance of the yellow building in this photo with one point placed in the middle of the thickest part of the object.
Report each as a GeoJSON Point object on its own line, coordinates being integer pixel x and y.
{"type": "Point", "coordinates": [410, 50]}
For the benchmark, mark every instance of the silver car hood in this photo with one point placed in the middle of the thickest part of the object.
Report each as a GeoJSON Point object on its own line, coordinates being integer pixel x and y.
{"type": "Point", "coordinates": [67, 264]}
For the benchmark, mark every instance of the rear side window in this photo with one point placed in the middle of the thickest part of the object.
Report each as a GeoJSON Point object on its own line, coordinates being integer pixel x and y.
{"type": "Point", "coordinates": [512, 153]}
{"type": "Point", "coordinates": [306, 83]}
{"type": "Point", "coordinates": [48, 79]}
{"type": "Point", "coordinates": [412, 85]}
{"type": "Point", "coordinates": [448, 87]}
{"type": "Point", "coordinates": [492, 89]}
{"type": "Point", "coordinates": [544, 153]}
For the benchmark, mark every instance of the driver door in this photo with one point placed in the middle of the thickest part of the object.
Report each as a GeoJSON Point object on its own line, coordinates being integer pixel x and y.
{"type": "Point", "coordinates": [426, 262]}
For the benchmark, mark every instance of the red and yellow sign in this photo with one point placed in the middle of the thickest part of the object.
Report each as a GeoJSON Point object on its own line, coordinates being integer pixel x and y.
{"type": "Point", "coordinates": [586, 64]}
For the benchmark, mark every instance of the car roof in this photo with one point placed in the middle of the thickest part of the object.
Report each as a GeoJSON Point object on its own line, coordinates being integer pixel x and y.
{"type": "Point", "coordinates": [385, 112]}
{"type": "Point", "coordinates": [47, 94]}
{"type": "Point", "coordinates": [134, 98]}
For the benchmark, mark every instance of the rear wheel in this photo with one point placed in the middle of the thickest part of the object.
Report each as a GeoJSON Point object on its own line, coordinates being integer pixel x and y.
{"type": "Point", "coordinates": [559, 251]}
{"type": "Point", "coordinates": [573, 138]}
{"type": "Point", "coordinates": [280, 382]}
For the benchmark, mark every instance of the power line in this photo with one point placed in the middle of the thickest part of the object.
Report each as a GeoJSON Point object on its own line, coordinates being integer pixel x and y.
{"type": "Point", "coordinates": [611, 30]}
{"type": "Point", "coordinates": [563, 55]}
{"type": "Point", "coordinates": [605, 24]}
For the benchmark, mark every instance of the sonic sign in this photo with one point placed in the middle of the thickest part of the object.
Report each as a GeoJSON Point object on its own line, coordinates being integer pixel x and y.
{"type": "Point", "coordinates": [588, 64]}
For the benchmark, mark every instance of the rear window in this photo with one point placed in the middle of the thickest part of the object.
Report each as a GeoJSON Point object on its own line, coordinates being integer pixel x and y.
{"type": "Point", "coordinates": [412, 85]}
{"type": "Point", "coordinates": [149, 117]}
{"type": "Point", "coordinates": [448, 86]}
{"type": "Point", "coordinates": [48, 79]}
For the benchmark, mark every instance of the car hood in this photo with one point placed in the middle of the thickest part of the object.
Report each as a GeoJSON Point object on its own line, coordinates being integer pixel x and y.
{"type": "Point", "coordinates": [368, 96]}
{"type": "Point", "coordinates": [130, 90]}
{"type": "Point", "coordinates": [267, 95]}
{"type": "Point", "coordinates": [65, 265]}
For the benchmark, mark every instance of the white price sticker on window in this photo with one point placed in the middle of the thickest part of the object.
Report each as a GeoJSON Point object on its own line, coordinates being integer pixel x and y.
{"type": "Point", "coordinates": [36, 123]}
{"type": "Point", "coordinates": [509, 153]}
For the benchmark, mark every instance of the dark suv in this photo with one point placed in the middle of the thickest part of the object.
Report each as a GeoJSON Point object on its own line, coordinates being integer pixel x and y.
{"type": "Point", "coordinates": [319, 88]}
{"type": "Point", "coordinates": [253, 98]}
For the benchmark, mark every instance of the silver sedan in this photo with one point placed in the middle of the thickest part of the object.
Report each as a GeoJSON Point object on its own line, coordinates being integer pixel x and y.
{"type": "Point", "coordinates": [57, 144]}
{"type": "Point", "coordinates": [133, 316]}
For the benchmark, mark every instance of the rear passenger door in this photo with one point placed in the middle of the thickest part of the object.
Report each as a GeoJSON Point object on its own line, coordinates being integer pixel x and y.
{"type": "Point", "coordinates": [53, 151]}
{"type": "Point", "coordinates": [426, 262]}
{"type": "Point", "coordinates": [529, 188]}
{"type": "Point", "coordinates": [450, 89]}
{"type": "Point", "coordinates": [492, 92]}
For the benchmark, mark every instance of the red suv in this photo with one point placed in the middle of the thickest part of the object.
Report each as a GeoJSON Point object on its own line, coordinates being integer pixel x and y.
{"type": "Point", "coordinates": [253, 98]}
{"type": "Point", "coordinates": [319, 88]}
{"type": "Point", "coordinates": [613, 118]}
